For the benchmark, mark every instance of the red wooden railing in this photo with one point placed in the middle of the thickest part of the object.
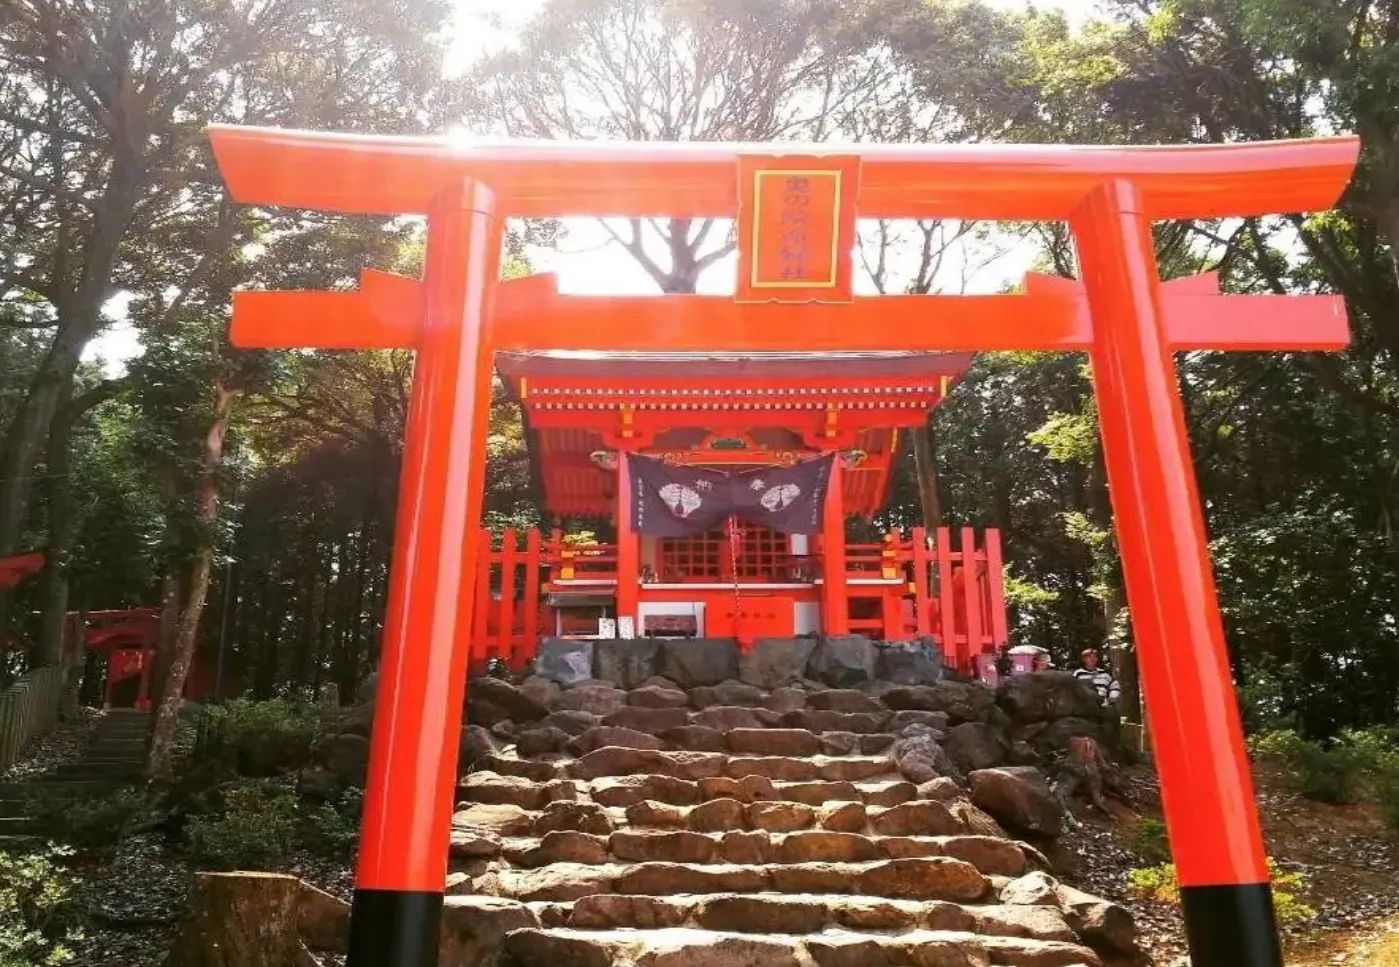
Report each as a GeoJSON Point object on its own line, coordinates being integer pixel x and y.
{"type": "Point", "coordinates": [958, 593]}
{"type": "Point", "coordinates": [955, 594]}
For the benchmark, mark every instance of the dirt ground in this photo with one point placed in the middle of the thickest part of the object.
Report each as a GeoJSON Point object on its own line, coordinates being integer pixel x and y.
{"type": "Point", "coordinates": [1346, 855]}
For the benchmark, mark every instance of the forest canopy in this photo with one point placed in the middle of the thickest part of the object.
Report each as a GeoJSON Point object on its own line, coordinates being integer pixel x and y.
{"type": "Point", "coordinates": [112, 217]}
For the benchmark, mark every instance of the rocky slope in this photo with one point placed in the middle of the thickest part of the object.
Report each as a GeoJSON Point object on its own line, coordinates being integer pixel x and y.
{"type": "Point", "coordinates": [698, 818]}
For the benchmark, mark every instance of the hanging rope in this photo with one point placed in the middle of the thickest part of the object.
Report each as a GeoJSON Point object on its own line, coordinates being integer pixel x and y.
{"type": "Point", "coordinates": [733, 569]}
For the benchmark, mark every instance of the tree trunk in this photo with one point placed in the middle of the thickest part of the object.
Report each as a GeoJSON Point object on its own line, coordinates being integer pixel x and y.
{"type": "Point", "coordinates": [926, 470]}
{"type": "Point", "coordinates": [1124, 660]}
{"type": "Point", "coordinates": [158, 757]}
{"type": "Point", "coordinates": [63, 521]}
{"type": "Point", "coordinates": [79, 313]}
{"type": "Point", "coordinates": [48, 649]}
{"type": "Point", "coordinates": [166, 629]}
{"type": "Point", "coordinates": [242, 920]}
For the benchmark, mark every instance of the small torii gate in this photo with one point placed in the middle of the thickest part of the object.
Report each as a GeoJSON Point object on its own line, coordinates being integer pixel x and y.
{"type": "Point", "coordinates": [796, 209]}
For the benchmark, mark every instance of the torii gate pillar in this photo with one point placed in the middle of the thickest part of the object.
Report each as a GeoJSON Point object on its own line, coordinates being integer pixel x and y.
{"type": "Point", "coordinates": [402, 864]}
{"type": "Point", "coordinates": [1200, 758]}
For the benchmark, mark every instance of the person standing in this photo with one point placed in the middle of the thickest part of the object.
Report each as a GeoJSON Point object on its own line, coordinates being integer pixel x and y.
{"type": "Point", "coordinates": [1102, 681]}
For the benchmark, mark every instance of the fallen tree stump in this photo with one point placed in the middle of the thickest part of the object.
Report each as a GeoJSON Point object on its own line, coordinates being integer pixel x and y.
{"type": "Point", "coordinates": [244, 920]}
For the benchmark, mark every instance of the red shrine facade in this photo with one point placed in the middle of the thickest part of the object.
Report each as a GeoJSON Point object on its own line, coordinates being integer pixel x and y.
{"type": "Point", "coordinates": [584, 412]}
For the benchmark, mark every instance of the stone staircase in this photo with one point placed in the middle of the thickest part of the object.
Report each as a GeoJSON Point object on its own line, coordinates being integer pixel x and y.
{"type": "Point", "coordinates": [113, 758]}
{"type": "Point", "coordinates": [731, 826]}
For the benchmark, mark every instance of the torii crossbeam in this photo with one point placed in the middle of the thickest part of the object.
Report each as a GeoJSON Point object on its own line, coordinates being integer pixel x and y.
{"type": "Point", "coordinates": [796, 208]}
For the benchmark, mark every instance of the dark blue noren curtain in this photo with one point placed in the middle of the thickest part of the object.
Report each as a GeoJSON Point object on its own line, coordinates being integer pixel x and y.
{"type": "Point", "coordinates": [676, 501]}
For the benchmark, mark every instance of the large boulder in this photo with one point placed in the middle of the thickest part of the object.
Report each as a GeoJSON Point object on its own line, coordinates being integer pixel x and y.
{"type": "Point", "coordinates": [346, 755]}
{"type": "Point", "coordinates": [1055, 736]}
{"type": "Point", "coordinates": [1019, 797]}
{"type": "Point", "coordinates": [475, 745]}
{"type": "Point", "coordinates": [599, 700]}
{"type": "Point", "coordinates": [474, 927]}
{"type": "Point", "coordinates": [1105, 926]}
{"type": "Point", "coordinates": [626, 661]}
{"type": "Point", "coordinates": [540, 741]}
{"type": "Point", "coordinates": [692, 662]}
{"type": "Point", "coordinates": [844, 661]}
{"type": "Point", "coordinates": [542, 690]}
{"type": "Point", "coordinates": [490, 701]}
{"type": "Point", "coordinates": [962, 701]}
{"type": "Point", "coordinates": [919, 757]}
{"type": "Point", "coordinates": [774, 662]}
{"type": "Point", "coordinates": [730, 692]}
{"type": "Point", "coordinates": [571, 721]}
{"type": "Point", "coordinates": [1046, 696]}
{"type": "Point", "coordinates": [655, 696]}
{"type": "Point", "coordinates": [975, 745]}
{"type": "Point", "coordinates": [910, 662]}
{"type": "Point", "coordinates": [568, 661]}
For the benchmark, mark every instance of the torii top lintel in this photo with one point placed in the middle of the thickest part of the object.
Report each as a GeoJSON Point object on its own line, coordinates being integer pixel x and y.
{"type": "Point", "coordinates": [399, 175]}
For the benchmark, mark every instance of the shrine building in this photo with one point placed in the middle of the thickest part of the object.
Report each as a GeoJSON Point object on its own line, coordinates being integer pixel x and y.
{"type": "Point", "coordinates": [750, 416]}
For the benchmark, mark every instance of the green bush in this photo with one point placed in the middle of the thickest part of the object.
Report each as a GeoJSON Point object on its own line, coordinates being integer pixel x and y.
{"type": "Point", "coordinates": [1156, 882]}
{"type": "Point", "coordinates": [1159, 883]}
{"type": "Point", "coordinates": [87, 823]}
{"type": "Point", "coordinates": [255, 828]}
{"type": "Point", "coordinates": [40, 909]}
{"type": "Point", "coordinates": [1149, 841]}
{"type": "Point", "coordinates": [270, 738]}
{"type": "Point", "coordinates": [334, 829]}
{"type": "Point", "coordinates": [1360, 765]}
{"type": "Point", "coordinates": [1331, 775]}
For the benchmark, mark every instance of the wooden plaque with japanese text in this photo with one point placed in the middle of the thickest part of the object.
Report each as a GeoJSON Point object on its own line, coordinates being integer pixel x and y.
{"type": "Point", "coordinates": [796, 228]}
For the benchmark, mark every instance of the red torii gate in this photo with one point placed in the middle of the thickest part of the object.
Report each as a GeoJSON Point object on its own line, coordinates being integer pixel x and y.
{"type": "Point", "coordinates": [795, 258]}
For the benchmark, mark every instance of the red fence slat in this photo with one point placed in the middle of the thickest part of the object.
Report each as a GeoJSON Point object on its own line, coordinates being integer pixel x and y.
{"type": "Point", "coordinates": [530, 606]}
{"type": "Point", "coordinates": [995, 588]}
{"type": "Point", "coordinates": [481, 652]}
{"type": "Point", "coordinates": [921, 604]}
{"type": "Point", "coordinates": [946, 607]}
{"type": "Point", "coordinates": [507, 596]}
{"type": "Point", "coordinates": [971, 588]}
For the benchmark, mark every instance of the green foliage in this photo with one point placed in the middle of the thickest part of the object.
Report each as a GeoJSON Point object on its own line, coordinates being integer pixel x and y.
{"type": "Point", "coordinates": [1331, 775]}
{"type": "Point", "coordinates": [95, 823]}
{"type": "Point", "coordinates": [1358, 765]}
{"type": "Point", "coordinates": [41, 911]}
{"type": "Point", "coordinates": [1295, 452]}
{"type": "Point", "coordinates": [254, 828]}
{"type": "Point", "coordinates": [1068, 436]}
{"type": "Point", "coordinates": [1149, 841]}
{"type": "Point", "coordinates": [334, 826]}
{"type": "Point", "coordinates": [271, 737]}
{"type": "Point", "coordinates": [1159, 883]}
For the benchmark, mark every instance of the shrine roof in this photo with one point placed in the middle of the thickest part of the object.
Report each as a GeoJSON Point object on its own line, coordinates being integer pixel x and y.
{"type": "Point", "coordinates": [667, 403]}
{"type": "Point", "coordinates": [798, 366]}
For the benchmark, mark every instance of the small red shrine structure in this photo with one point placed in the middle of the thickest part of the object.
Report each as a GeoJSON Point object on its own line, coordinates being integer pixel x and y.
{"type": "Point", "coordinates": [584, 411]}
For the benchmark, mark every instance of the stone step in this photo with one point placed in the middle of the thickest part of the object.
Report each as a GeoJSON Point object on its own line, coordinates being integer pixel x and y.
{"type": "Point", "coordinates": [692, 766]}
{"type": "Point", "coordinates": [66, 788]}
{"type": "Point", "coordinates": [928, 878]}
{"type": "Point", "coordinates": [805, 914]}
{"type": "Point", "coordinates": [689, 947]}
{"type": "Point", "coordinates": [990, 855]}
{"type": "Point", "coordinates": [623, 791]}
{"type": "Point", "coordinates": [83, 770]}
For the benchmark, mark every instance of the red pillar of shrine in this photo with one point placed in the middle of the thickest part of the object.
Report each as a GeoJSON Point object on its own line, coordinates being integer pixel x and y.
{"type": "Point", "coordinates": [628, 550]}
{"type": "Point", "coordinates": [399, 882]}
{"type": "Point", "coordinates": [835, 608]}
{"type": "Point", "coordinates": [1206, 789]}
